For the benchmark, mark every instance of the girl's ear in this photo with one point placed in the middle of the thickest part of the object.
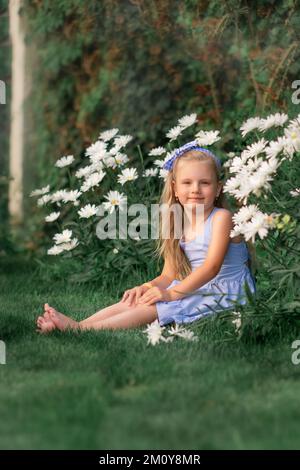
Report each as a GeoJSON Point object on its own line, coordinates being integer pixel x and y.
{"type": "Point", "coordinates": [173, 186]}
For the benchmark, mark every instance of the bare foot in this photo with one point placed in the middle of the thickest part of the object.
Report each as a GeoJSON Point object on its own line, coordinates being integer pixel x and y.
{"type": "Point", "coordinates": [60, 321]}
{"type": "Point", "coordinates": [45, 326]}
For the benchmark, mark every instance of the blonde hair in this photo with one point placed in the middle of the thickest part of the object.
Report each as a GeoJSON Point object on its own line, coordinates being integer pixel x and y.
{"type": "Point", "coordinates": [169, 248]}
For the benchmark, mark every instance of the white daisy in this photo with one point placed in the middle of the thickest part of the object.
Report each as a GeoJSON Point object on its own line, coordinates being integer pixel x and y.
{"type": "Point", "coordinates": [64, 161]}
{"type": "Point", "coordinates": [293, 137]}
{"type": "Point", "coordinates": [58, 196]}
{"type": "Point", "coordinates": [163, 173]}
{"type": "Point", "coordinates": [245, 214]}
{"type": "Point", "coordinates": [129, 174]}
{"type": "Point", "coordinates": [96, 150]}
{"type": "Point", "coordinates": [122, 140]}
{"type": "Point", "coordinates": [174, 132]}
{"type": "Point", "coordinates": [92, 180]}
{"type": "Point", "coordinates": [84, 172]}
{"type": "Point", "coordinates": [257, 226]}
{"type": "Point", "coordinates": [154, 332]}
{"type": "Point", "coordinates": [237, 321]}
{"type": "Point", "coordinates": [275, 147]}
{"type": "Point", "coordinates": [108, 135]}
{"type": "Point", "coordinates": [274, 120]}
{"type": "Point", "coordinates": [115, 251]}
{"type": "Point", "coordinates": [295, 122]}
{"type": "Point", "coordinates": [117, 160]}
{"type": "Point", "coordinates": [157, 151]}
{"type": "Point", "coordinates": [207, 137]}
{"type": "Point", "coordinates": [52, 217]}
{"type": "Point", "coordinates": [255, 148]}
{"type": "Point", "coordinates": [71, 196]}
{"type": "Point", "coordinates": [176, 330]}
{"type": "Point", "coordinates": [64, 237]}
{"type": "Point", "coordinates": [40, 192]}
{"type": "Point", "coordinates": [44, 200]}
{"type": "Point", "coordinates": [70, 245]}
{"type": "Point", "coordinates": [295, 192]}
{"type": "Point", "coordinates": [150, 172]}
{"type": "Point", "coordinates": [187, 121]}
{"type": "Point", "coordinates": [250, 125]}
{"type": "Point", "coordinates": [114, 199]}
{"type": "Point", "coordinates": [55, 250]}
{"type": "Point", "coordinates": [88, 211]}
{"type": "Point", "coordinates": [159, 163]}
{"type": "Point", "coordinates": [188, 335]}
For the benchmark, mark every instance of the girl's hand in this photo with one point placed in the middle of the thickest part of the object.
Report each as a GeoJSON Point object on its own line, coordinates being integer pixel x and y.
{"type": "Point", "coordinates": [134, 294]}
{"type": "Point", "coordinates": [155, 294]}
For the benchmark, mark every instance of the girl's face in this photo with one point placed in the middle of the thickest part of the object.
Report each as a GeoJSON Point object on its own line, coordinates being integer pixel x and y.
{"type": "Point", "coordinates": [195, 183]}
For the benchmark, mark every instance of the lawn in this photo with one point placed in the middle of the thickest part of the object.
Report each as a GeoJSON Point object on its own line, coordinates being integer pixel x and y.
{"type": "Point", "coordinates": [110, 390]}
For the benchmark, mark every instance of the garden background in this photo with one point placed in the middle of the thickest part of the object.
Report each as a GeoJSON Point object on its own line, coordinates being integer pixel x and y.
{"type": "Point", "coordinates": [139, 66]}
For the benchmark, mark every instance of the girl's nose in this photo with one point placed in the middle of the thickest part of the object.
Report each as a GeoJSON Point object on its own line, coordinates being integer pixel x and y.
{"type": "Point", "coordinates": [196, 188]}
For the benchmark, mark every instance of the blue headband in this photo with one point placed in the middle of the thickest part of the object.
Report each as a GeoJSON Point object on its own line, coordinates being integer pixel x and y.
{"type": "Point", "coordinates": [186, 148]}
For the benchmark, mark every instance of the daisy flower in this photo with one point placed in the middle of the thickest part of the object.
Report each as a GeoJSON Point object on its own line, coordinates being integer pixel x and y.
{"type": "Point", "coordinates": [157, 151]}
{"type": "Point", "coordinates": [114, 199]}
{"type": "Point", "coordinates": [64, 237]}
{"type": "Point", "coordinates": [207, 137]}
{"type": "Point", "coordinates": [154, 333]}
{"type": "Point", "coordinates": [108, 135]}
{"type": "Point", "coordinates": [88, 211]}
{"type": "Point", "coordinates": [274, 120]}
{"type": "Point", "coordinates": [250, 125]}
{"type": "Point", "coordinates": [295, 192]}
{"type": "Point", "coordinates": [129, 174]}
{"type": "Point", "coordinates": [52, 217]}
{"type": "Point", "coordinates": [55, 250]}
{"type": "Point", "coordinates": [187, 121]}
{"type": "Point", "coordinates": [237, 321]}
{"type": "Point", "coordinates": [70, 245]}
{"type": "Point", "coordinates": [96, 150]}
{"type": "Point", "coordinates": [92, 180]}
{"type": "Point", "coordinates": [122, 140]}
{"type": "Point", "coordinates": [150, 172]}
{"type": "Point", "coordinates": [40, 192]}
{"type": "Point", "coordinates": [174, 132]}
{"type": "Point", "coordinates": [163, 173]}
{"type": "Point", "coordinates": [64, 161]}
{"type": "Point", "coordinates": [44, 200]}
{"type": "Point", "coordinates": [71, 196]}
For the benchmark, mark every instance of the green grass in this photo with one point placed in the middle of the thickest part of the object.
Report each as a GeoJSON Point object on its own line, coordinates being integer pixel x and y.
{"type": "Point", "coordinates": [110, 390]}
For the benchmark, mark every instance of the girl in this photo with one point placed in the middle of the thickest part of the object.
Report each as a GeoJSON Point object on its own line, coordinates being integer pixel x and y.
{"type": "Point", "coordinates": [204, 271]}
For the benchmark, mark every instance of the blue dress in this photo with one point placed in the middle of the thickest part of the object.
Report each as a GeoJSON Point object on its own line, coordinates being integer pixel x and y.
{"type": "Point", "coordinates": [225, 291]}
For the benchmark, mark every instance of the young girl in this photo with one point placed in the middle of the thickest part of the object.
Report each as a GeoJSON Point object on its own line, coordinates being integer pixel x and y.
{"type": "Point", "coordinates": [204, 271]}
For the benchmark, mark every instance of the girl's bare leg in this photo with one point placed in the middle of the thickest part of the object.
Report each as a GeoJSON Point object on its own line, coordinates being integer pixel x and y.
{"type": "Point", "coordinates": [102, 314]}
{"type": "Point", "coordinates": [106, 312]}
{"type": "Point", "coordinates": [129, 318]}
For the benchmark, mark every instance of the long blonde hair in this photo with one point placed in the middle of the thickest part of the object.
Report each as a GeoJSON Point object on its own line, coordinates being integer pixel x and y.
{"type": "Point", "coordinates": [169, 248]}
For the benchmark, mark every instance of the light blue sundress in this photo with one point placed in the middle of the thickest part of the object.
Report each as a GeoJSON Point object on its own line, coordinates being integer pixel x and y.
{"type": "Point", "coordinates": [225, 291]}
